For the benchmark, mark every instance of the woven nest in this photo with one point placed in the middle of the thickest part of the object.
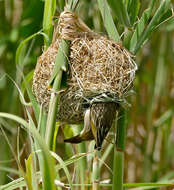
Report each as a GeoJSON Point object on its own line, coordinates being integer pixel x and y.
{"type": "Point", "coordinates": [70, 109]}
{"type": "Point", "coordinates": [100, 66]}
{"type": "Point", "coordinates": [100, 70]}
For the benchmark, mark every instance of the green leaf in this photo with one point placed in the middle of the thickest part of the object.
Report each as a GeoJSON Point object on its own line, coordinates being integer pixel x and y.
{"type": "Point", "coordinates": [133, 10]}
{"type": "Point", "coordinates": [72, 160]}
{"type": "Point", "coordinates": [55, 136]}
{"type": "Point", "coordinates": [140, 27]}
{"type": "Point", "coordinates": [166, 15]}
{"type": "Point", "coordinates": [28, 78]}
{"type": "Point", "coordinates": [28, 164]}
{"type": "Point", "coordinates": [21, 183]}
{"type": "Point", "coordinates": [106, 154]}
{"type": "Point", "coordinates": [61, 4]}
{"type": "Point", "coordinates": [166, 21]}
{"type": "Point", "coordinates": [15, 184]}
{"type": "Point", "coordinates": [108, 20]}
{"type": "Point", "coordinates": [31, 173]}
{"type": "Point", "coordinates": [49, 11]}
{"type": "Point", "coordinates": [24, 42]}
{"type": "Point", "coordinates": [49, 175]}
{"type": "Point", "coordinates": [61, 63]}
{"type": "Point", "coordinates": [120, 10]}
{"type": "Point", "coordinates": [153, 23]}
{"type": "Point", "coordinates": [52, 112]}
{"type": "Point", "coordinates": [169, 25]}
{"type": "Point", "coordinates": [59, 159]}
{"type": "Point", "coordinates": [164, 118]}
{"type": "Point", "coordinates": [40, 115]}
{"type": "Point", "coordinates": [9, 170]}
{"type": "Point", "coordinates": [32, 99]}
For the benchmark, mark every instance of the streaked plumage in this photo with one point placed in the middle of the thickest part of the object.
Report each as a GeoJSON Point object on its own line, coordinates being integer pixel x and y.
{"type": "Point", "coordinates": [98, 120]}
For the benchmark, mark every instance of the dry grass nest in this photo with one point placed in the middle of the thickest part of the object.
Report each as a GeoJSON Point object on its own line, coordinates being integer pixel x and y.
{"type": "Point", "coordinates": [100, 70]}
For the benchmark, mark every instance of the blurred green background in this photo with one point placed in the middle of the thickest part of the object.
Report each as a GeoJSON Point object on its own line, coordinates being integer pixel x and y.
{"type": "Point", "coordinates": [150, 140]}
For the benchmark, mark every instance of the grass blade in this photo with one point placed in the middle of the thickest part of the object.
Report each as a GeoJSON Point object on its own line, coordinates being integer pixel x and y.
{"type": "Point", "coordinates": [133, 10]}
{"type": "Point", "coordinates": [24, 42]}
{"type": "Point", "coordinates": [48, 162]}
{"type": "Point", "coordinates": [33, 100]}
{"type": "Point", "coordinates": [61, 62]}
{"type": "Point", "coordinates": [108, 20]}
{"type": "Point", "coordinates": [120, 10]}
{"type": "Point", "coordinates": [28, 164]}
{"type": "Point", "coordinates": [141, 26]}
{"type": "Point", "coordinates": [49, 11]}
{"type": "Point", "coordinates": [58, 158]}
{"type": "Point", "coordinates": [153, 23]}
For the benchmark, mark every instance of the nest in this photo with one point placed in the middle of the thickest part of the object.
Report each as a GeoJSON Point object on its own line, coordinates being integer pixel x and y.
{"type": "Point", "coordinates": [70, 109]}
{"type": "Point", "coordinates": [100, 70]}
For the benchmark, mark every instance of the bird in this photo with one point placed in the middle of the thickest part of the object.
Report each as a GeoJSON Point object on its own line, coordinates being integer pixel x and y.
{"type": "Point", "coordinates": [98, 119]}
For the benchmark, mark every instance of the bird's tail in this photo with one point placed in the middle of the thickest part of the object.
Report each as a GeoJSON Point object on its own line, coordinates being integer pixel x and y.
{"type": "Point", "coordinates": [102, 116]}
{"type": "Point", "coordinates": [81, 137]}
{"type": "Point", "coordinates": [76, 139]}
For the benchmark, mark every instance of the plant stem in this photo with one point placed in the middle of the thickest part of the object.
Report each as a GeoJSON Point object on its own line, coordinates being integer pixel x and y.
{"type": "Point", "coordinates": [51, 120]}
{"type": "Point", "coordinates": [119, 152]}
{"type": "Point", "coordinates": [61, 61]}
{"type": "Point", "coordinates": [118, 170]}
{"type": "Point", "coordinates": [49, 11]}
{"type": "Point", "coordinates": [96, 171]}
{"type": "Point", "coordinates": [82, 163]}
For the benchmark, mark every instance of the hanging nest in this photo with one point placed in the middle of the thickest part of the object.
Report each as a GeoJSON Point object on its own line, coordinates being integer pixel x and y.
{"type": "Point", "coordinates": [70, 109]}
{"type": "Point", "coordinates": [100, 70]}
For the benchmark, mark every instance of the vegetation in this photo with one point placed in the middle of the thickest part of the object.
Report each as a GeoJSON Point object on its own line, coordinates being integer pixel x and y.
{"type": "Point", "coordinates": [32, 151]}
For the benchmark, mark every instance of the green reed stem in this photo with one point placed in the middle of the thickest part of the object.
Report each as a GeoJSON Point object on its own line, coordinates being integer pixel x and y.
{"type": "Point", "coordinates": [61, 61]}
{"type": "Point", "coordinates": [118, 172]}
{"type": "Point", "coordinates": [49, 11]}
{"type": "Point", "coordinates": [56, 78]}
{"type": "Point", "coordinates": [53, 106]}
{"type": "Point", "coordinates": [96, 171]}
{"type": "Point", "coordinates": [82, 163]}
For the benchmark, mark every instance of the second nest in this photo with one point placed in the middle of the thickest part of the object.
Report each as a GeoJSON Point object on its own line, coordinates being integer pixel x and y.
{"type": "Point", "coordinates": [100, 70]}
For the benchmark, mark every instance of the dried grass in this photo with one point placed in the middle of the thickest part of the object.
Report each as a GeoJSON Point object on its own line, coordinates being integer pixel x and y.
{"type": "Point", "coordinates": [100, 70]}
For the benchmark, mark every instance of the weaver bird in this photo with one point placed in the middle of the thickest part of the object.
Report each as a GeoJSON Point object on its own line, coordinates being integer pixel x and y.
{"type": "Point", "coordinates": [98, 120]}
